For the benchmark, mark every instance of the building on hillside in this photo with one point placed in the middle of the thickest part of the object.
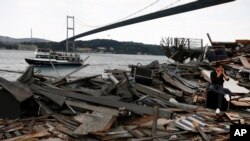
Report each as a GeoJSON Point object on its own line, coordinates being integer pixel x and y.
{"type": "Point", "coordinates": [2, 48]}
{"type": "Point", "coordinates": [111, 49]}
{"type": "Point", "coordinates": [101, 49]}
{"type": "Point", "coordinates": [27, 47]}
{"type": "Point", "coordinates": [84, 50]}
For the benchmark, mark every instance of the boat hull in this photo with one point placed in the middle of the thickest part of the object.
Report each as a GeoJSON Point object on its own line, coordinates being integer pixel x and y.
{"type": "Point", "coordinates": [48, 63]}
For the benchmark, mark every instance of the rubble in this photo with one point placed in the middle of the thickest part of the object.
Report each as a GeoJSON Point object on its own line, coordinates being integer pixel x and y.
{"type": "Point", "coordinates": [152, 102]}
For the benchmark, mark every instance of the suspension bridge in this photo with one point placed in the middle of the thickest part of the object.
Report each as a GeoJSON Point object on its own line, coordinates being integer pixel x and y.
{"type": "Point", "coordinates": [199, 4]}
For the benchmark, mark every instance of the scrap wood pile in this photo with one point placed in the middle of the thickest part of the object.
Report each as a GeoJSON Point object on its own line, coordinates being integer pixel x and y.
{"type": "Point", "coordinates": [238, 68]}
{"type": "Point", "coordinates": [156, 101]}
{"type": "Point", "coordinates": [235, 57]}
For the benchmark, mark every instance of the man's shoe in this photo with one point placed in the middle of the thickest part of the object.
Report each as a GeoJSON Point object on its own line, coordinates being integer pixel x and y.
{"type": "Point", "coordinates": [217, 111]}
{"type": "Point", "coordinates": [226, 96]}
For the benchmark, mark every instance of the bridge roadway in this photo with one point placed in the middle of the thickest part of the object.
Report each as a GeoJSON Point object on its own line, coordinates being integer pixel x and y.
{"type": "Point", "coordinates": [199, 4]}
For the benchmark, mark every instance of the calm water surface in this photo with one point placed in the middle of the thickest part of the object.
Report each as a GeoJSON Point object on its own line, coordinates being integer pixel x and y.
{"type": "Point", "coordinates": [14, 60]}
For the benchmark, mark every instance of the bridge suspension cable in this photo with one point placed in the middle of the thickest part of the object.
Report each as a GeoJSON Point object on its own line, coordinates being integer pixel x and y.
{"type": "Point", "coordinates": [199, 4]}
{"type": "Point", "coordinates": [126, 17]}
{"type": "Point", "coordinates": [83, 24]}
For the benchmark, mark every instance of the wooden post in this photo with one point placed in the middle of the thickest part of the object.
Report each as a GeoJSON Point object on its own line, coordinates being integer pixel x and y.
{"type": "Point", "coordinates": [203, 134]}
{"type": "Point", "coordinates": [154, 125]}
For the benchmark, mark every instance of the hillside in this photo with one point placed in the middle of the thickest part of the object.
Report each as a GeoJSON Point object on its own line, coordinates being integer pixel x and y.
{"type": "Point", "coordinates": [111, 46]}
{"type": "Point", "coordinates": [121, 47]}
{"type": "Point", "coordinates": [11, 41]}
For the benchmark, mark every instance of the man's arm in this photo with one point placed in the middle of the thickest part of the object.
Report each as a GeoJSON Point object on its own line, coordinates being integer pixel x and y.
{"type": "Point", "coordinates": [224, 75]}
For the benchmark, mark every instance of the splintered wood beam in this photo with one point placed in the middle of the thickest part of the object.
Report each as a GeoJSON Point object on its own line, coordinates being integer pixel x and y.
{"type": "Point", "coordinates": [132, 132]}
{"type": "Point", "coordinates": [87, 106]}
{"type": "Point", "coordinates": [167, 78]}
{"type": "Point", "coordinates": [162, 136]}
{"type": "Point", "coordinates": [153, 92]}
{"type": "Point", "coordinates": [244, 62]}
{"type": "Point", "coordinates": [155, 118]}
{"type": "Point", "coordinates": [139, 109]}
{"type": "Point", "coordinates": [30, 136]}
{"type": "Point", "coordinates": [203, 134]}
{"type": "Point", "coordinates": [58, 82]}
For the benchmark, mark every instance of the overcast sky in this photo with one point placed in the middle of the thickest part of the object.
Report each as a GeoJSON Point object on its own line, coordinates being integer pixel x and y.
{"type": "Point", "coordinates": [47, 18]}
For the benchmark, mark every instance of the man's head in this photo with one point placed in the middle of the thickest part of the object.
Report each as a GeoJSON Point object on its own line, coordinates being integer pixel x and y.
{"type": "Point", "coordinates": [218, 66]}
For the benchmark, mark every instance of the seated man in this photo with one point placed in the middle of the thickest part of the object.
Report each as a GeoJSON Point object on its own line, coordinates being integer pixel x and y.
{"type": "Point", "coordinates": [217, 79]}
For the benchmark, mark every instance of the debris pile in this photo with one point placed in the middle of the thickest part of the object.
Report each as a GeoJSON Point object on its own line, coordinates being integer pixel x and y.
{"type": "Point", "coordinates": [149, 102]}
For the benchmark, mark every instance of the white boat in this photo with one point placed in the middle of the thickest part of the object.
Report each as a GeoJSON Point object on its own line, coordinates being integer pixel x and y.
{"type": "Point", "coordinates": [45, 57]}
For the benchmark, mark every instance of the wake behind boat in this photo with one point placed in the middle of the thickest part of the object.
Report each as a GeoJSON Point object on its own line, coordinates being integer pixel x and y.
{"type": "Point", "coordinates": [46, 57]}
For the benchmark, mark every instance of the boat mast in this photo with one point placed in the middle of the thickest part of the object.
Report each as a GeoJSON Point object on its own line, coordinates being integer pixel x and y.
{"type": "Point", "coordinates": [70, 28]}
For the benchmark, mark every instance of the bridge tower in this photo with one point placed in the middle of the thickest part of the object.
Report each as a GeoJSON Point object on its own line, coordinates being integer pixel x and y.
{"type": "Point", "coordinates": [70, 44]}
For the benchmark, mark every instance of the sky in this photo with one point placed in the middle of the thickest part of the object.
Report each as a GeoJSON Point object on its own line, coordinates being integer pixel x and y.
{"type": "Point", "coordinates": [47, 19]}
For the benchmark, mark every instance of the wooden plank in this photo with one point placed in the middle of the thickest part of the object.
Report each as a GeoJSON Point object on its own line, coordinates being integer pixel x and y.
{"type": "Point", "coordinates": [66, 76]}
{"type": "Point", "coordinates": [72, 120]}
{"type": "Point", "coordinates": [152, 92]}
{"type": "Point", "coordinates": [139, 109]}
{"type": "Point", "coordinates": [244, 84]}
{"type": "Point", "coordinates": [161, 122]}
{"type": "Point", "coordinates": [12, 71]}
{"type": "Point", "coordinates": [19, 91]}
{"type": "Point", "coordinates": [80, 81]}
{"type": "Point", "coordinates": [58, 99]}
{"type": "Point", "coordinates": [167, 78]}
{"type": "Point", "coordinates": [113, 79]}
{"type": "Point", "coordinates": [141, 120]}
{"type": "Point", "coordinates": [120, 133]}
{"type": "Point", "coordinates": [94, 122]}
{"type": "Point", "coordinates": [34, 118]}
{"type": "Point", "coordinates": [183, 105]}
{"type": "Point", "coordinates": [87, 106]}
{"type": "Point", "coordinates": [233, 116]}
{"type": "Point", "coordinates": [132, 132]}
{"type": "Point", "coordinates": [1, 135]}
{"type": "Point", "coordinates": [7, 123]}
{"type": "Point", "coordinates": [190, 74]}
{"type": "Point", "coordinates": [44, 107]}
{"type": "Point", "coordinates": [241, 103]}
{"type": "Point", "coordinates": [66, 131]}
{"type": "Point", "coordinates": [155, 119]}
{"type": "Point", "coordinates": [66, 123]}
{"type": "Point", "coordinates": [31, 125]}
{"type": "Point", "coordinates": [69, 120]}
{"type": "Point", "coordinates": [91, 92]}
{"type": "Point", "coordinates": [129, 86]}
{"type": "Point", "coordinates": [161, 136]}
{"type": "Point", "coordinates": [30, 136]}
{"type": "Point", "coordinates": [116, 71]}
{"type": "Point", "coordinates": [8, 135]}
{"type": "Point", "coordinates": [11, 126]}
{"type": "Point", "coordinates": [245, 62]}
{"type": "Point", "coordinates": [203, 134]}
{"type": "Point", "coordinates": [17, 133]}
{"type": "Point", "coordinates": [173, 91]}
{"type": "Point", "coordinates": [55, 127]}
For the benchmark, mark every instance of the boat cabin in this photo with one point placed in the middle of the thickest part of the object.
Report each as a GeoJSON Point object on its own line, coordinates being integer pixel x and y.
{"type": "Point", "coordinates": [49, 54]}
{"type": "Point", "coordinates": [45, 57]}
